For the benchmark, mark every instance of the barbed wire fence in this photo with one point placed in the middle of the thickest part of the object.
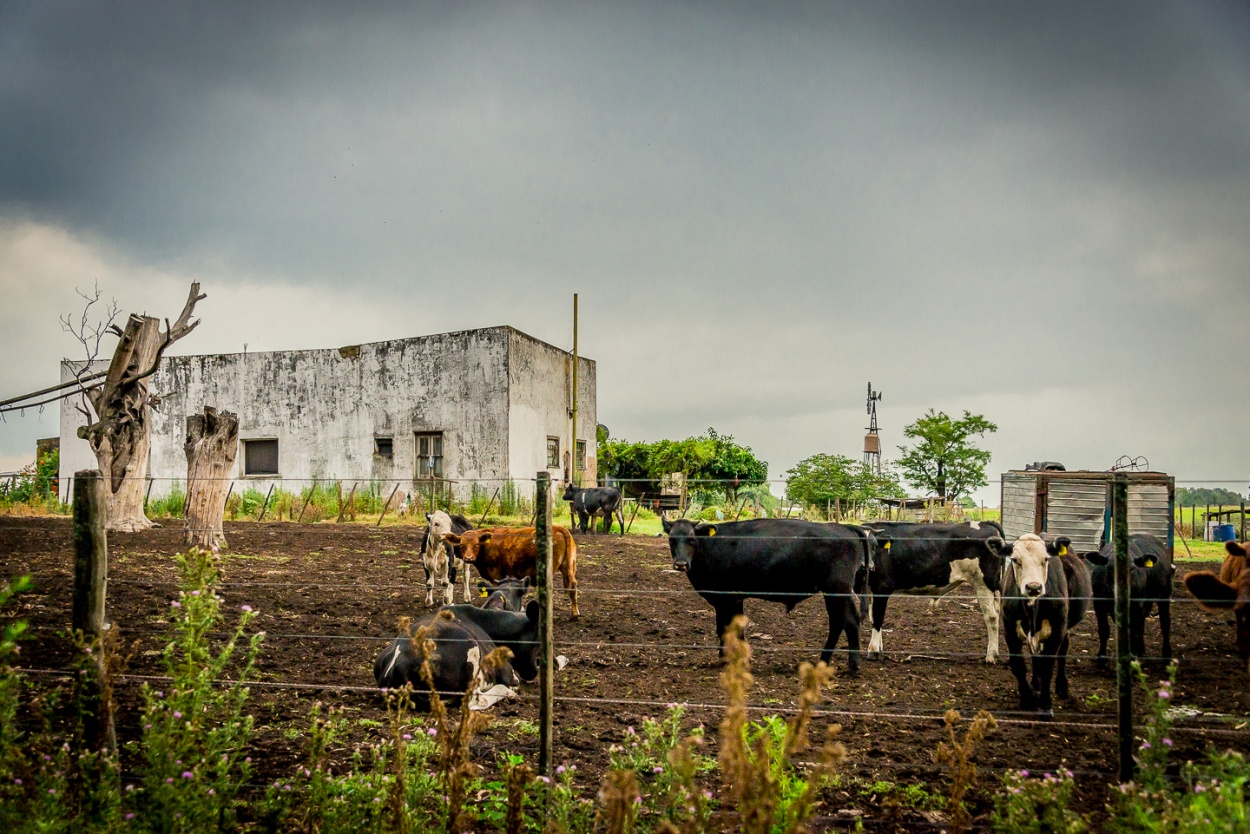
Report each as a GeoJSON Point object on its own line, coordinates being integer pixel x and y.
{"type": "Point", "coordinates": [1214, 726]}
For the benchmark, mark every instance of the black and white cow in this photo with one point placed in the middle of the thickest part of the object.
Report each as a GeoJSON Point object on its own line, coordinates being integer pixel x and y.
{"type": "Point", "coordinates": [937, 559]}
{"type": "Point", "coordinates": [780, 560]}
{"type": "Point", "coordinates": [590, 502]}
{"type": "Point", "coordinates": [439, 557]}
{"type": "Point", "coordinates": [1046, 592]}
{"type": "Point", "coordinates": [456, 665]}
{"type": "Point", "coordinates": [518, 630]}
{"type": "Point", "coordinates": [1150, 584]}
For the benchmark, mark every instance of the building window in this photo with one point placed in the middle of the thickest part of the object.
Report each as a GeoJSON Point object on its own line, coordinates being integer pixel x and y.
{"type": "Point", "coordinates": [384, 447]}
{"type": "Point", "coordinates": [581, 456]}
{"type": "Point", "coordinates": [430, 454]}
{"type": "Point", "coordinates": [260, 457]}
{"type": "Point", "coordinates": [553, 453]}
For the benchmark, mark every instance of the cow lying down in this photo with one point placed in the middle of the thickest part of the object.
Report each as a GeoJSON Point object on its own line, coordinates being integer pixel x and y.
{"type": "Point", "coordinates": [464, 637]}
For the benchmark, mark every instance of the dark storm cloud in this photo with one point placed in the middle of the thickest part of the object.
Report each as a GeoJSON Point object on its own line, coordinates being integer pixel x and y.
{"type": "Point", "coordinates": [972, 199]}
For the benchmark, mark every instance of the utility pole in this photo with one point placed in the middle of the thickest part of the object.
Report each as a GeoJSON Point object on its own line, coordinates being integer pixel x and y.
{"type": "Point", "coordinates": [577, 478]}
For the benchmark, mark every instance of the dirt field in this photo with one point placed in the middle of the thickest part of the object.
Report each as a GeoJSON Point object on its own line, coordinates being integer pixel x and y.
{"type": "Point", "coordinates": [330, 596]}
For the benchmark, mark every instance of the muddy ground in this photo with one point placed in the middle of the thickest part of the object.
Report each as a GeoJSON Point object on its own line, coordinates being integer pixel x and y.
{"type": "Point", "coordinates": [330, 595]}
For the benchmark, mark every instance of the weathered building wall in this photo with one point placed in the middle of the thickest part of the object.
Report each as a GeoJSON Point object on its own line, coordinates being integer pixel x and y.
{"type": "Point", "coordinates": [535, 371]}
{"type": "Point", "coordinates": [326, 408]}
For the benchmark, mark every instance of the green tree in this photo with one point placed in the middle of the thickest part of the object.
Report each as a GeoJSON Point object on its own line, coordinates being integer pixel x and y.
{"type": "Point", "coordinates": [945, 461]}
{"type": "Point", "coordinates": [821, 479]}
{"type": "Point", "coordinates": [712, 462]}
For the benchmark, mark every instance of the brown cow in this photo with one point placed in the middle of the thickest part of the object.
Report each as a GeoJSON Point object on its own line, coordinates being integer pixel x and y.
{"type": "Point", "coordinates": [1229, 590]}
{"type": "Point", "coordinates": [511, 551]}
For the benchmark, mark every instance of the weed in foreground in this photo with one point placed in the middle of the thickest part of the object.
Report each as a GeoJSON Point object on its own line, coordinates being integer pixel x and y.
{"type": "Point", "coordinates": [956, 756]}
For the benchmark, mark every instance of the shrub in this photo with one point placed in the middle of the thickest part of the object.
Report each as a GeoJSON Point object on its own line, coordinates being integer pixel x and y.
{"type": "Point", "coordinates": [1033, 805]}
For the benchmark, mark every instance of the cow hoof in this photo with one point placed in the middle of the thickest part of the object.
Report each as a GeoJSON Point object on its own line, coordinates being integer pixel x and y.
{"type": "Point", "coordinates": [872, 655]}
{"type": "Point", "coordinates": [1046, 715]}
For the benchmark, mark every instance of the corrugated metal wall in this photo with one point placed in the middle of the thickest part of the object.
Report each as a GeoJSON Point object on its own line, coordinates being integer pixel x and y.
{"type": "Point", "coordinates": [1076, 509]}
{"type": "Point", "coordinates": [1018, 504]}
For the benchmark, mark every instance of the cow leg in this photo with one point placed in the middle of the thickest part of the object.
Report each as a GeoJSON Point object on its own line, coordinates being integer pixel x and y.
{"type": "Point", "coordinates": [440, 576]}
{"type": "Point", "coordinates": [1061, 679]}
{"type": "Point", "coordinates": [464, 568]}
{"type": "Point", "coordinates": [1104, 632]}
{"type": "Point", "coordinates": [430, 567]}
{"type": "Point", "coordinates": [988, 602]}
{"type": "Point", "coordinates": [726, 610]}
{"type": "Point", "coordinates": [1015, 662]}
{"type": "Point", "coordinates": [843, 616]}
{"type": "Point", "coordinates": [1043, 674]}
{"type": "Point", "coordinates": [570, 584]}
{"type": "Point", "coordinates": [1137, 628]}
{"type": "Point", "coordinates": [1165, 627]}
{"type": "Point", "coordinates": [879, 602]}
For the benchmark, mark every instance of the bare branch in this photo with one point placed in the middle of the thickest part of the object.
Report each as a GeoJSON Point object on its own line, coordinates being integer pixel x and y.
{"type": "Point", "coordinates": [173, 332]}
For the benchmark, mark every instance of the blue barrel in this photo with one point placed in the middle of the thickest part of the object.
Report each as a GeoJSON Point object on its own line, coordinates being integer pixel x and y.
{"type": "Point", "coordinates": [1226, 533]}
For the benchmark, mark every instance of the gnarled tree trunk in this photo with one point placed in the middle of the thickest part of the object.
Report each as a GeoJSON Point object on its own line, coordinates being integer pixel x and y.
{"type": "Point", "coordinates": [122, 434]}
{"type": "Point", "coordinates": [212, 441]}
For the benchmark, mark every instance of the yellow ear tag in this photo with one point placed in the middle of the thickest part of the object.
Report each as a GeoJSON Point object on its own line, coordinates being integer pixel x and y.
{"type": "Point", "coordinates": [1063, 550]}
{"type": "Point", "coordinates": [711, 531]}
{"type": "Point", "coordinates": [1150, 563]}
{"type": "Point", "coordinates": [482, 592]}
{"type": "Point", "coordinates": [887, 545]}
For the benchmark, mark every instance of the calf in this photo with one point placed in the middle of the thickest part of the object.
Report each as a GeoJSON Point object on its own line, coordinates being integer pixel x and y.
{"type": "Point", "coordinates": [506, 551]}
{"type": "Point", "coordinates": [1046, 592]}
{"type": "Point", "coordinates": [595, 501]}
{"type": "Point", "coordinates": [456, 664]}
{"type": "Point", "coordinates": [937, 559]}
{"type": "Point", "coordinates": [439, 556]}
{"type": "Point", "coordinates": [1150, 582]}
{"type": "Point", "coordinates": [1228, 591]}
{"type": "Point", "coordinates": [780, 560]}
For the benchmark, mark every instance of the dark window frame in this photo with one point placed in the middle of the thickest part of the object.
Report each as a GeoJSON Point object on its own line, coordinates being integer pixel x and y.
{"type": "Point", "coordinates": [425, 471]}
{"type": "Point", "coordinates": [384, 447]}
{"type": "Point", "coordinates": [579, 458]}
{"type": "Point", "coordinates": [251, 465]}
{"type": "Point", "coordinates": [553, 452]}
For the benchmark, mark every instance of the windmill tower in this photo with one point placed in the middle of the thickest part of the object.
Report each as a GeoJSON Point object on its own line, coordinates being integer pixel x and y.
{"type": "Point", "coordinates": [872, 440]}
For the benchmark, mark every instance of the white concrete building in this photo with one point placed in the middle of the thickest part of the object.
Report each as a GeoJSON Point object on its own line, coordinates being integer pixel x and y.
{"type": "Point", "coordinates": [478, 406]}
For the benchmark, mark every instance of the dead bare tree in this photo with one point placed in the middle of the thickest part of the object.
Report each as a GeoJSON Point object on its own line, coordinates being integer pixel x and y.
{"type": "Point", "coordinates": [212, 441]}
{"type": "Point", "coordinates": [122, 433]}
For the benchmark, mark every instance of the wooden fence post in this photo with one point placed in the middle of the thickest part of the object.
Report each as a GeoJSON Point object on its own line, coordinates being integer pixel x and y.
{"type": "Point", "coordinates": [387, 506]}
{"type": "Point", "coordinates": [1124, 656]}
{"type": "Point", "coordinates": [265, 506]}
{"type": "Point", "coordinates": [87, 606]}
{"type": "Point", "coordinates": [546, 676]}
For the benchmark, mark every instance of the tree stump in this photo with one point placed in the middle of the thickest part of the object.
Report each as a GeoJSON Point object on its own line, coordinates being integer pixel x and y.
{"type": "Point", "coordinates": [212, 441]}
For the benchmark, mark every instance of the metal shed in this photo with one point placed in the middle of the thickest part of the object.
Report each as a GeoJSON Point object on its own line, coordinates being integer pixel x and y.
{"type": "Point", "coordinates": [1078, 505]}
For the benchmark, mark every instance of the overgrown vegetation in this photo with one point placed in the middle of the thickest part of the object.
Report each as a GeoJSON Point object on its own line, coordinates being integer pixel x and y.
{"type": "Point", "coordinates": [712, 463]}
{"type": "Point", "coordinates": [36, 488]}
{"type": "Point", "coordinates": [823, 480]}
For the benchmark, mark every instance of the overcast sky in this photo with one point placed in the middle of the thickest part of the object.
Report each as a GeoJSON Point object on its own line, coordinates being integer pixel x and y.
{"type": "Point", "coordinates": [1037, 212]}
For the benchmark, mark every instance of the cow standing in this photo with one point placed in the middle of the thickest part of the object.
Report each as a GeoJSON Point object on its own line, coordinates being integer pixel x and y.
{"type": "Point", "coordinates": [1046, 592]}
{"type": "Point", "coordinates": [589, 502]}
{"type": "Point", "coordinates": [513, 551]}
{"type": "Point", "coordinates": [1229, 591]}
{"type": "Point", "coordinates": [1150, 583]}
{"type": "Point", "coordinates": [440, 558]}
{"type": "Point", "coordinates": [937, 559]}
{"type": "Point", "coordinates": [780, 560]}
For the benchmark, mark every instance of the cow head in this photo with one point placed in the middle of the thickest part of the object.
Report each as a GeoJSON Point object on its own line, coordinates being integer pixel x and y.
{"type": "Point", "coordinates": [1030, 563]}
{"type": "Point", "coordinates": [505, 595]}
{"type": "Point", "coordinates": [682, 539]}
{"type": "Point", "coordinates": [440, 524]}
{"type": "Point", "coordinates": [569, 493]}
{"type": "Point", "coordinates": [468, 544]}
{"type": "Point", "coordinates": [996, 553]}
{"type": "Point", "coordinates": [1230, 591]}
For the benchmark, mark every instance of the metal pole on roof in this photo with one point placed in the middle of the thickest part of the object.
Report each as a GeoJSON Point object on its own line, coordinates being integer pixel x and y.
{"type": "Point", "coordinates": [577, 479]}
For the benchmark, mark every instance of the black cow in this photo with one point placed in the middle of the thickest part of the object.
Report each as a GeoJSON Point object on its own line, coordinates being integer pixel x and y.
{"type": "Point", "coordinates": [937, 559]}
{"type": "Point", "coordinates": [781, 560]}
{"type": "Point", "coordinates": [507, 594]}
{"type": "Point", "coordinates": [593, 501]}
{"type": "Point", "coordinates": [1046, 592]}
{"type": "Point", "coordinates": [460, 647]}
{"type": "Point", "coordinates": [515, 629]}
{"type": "Point", "coordinates": [1150, 583]}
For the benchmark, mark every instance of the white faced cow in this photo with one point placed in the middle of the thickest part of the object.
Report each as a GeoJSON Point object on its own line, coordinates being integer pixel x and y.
{"type": "Point", "coordinates": [437, 555]}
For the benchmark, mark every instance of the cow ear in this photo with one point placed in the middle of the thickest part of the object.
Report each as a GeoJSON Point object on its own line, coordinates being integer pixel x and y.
{"type": "Point", "coordinates": [705, 530]}
{"type": "Point", "coordinates": [1061, 545]}
{"type": "Point", "coordinates": [532, 610]}
{"type": "Point", "coordinates": [484, 538]}
{"type": "Point", "coordinates": [999, 547]}
{"type": "Point", "coordinates": [451, 539]}
{"type": "Point", "coordinates": [665, 523]}
{"type": "Point", "coordinates": [1235, 549]}
{"type": "Point", "coordinates": [427, 516]}
{"type": "Point", "coordinates": [1210, 591]}
{"type": "Point", "coordinates": [884, 542]}
{"type": "Point", "coordinates": [1095, 557]}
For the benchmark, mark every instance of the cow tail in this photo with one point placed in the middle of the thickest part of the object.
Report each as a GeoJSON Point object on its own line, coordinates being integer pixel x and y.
{"type": "Point", "coordinates": [865, 590]}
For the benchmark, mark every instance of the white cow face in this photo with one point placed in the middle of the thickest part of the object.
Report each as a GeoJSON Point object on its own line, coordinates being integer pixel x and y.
{"type": "Point", "coordinates": [1030, 562]}
{"type": "Point", "coordinates": [440, 524]}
